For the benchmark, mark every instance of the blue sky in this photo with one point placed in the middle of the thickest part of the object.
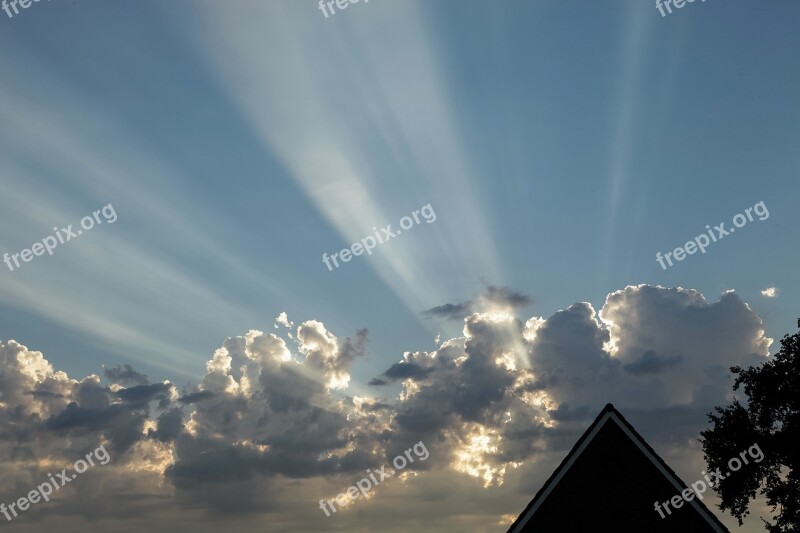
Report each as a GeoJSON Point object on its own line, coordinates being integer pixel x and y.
{"type": "Point", "coordinates": [560, 143]}
{"type": "Point", "coordinates": [562, 146]}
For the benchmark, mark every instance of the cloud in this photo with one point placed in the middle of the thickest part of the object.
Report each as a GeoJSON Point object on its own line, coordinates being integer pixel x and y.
{"type": "Point", "coordinates": [169, 426]}
{"type": "Point", "coordinates": [141, 395]}
{"type": "Point", "coordinates": [400, 371]}
{"type": "Point", "coordinates": [271, 428]}
{"type": "Point", "coordinates": [451, 311]}
{"type": "Point", "coordinates": [506, 297]}
{"type": "Point", "coordinates": [283, 320]}
{"type": "Point", "coordinates": [492, 298]}
{"type": "Point", "coordinates": [195, 397]}
{"type": "Point", "coordinates": [651, 363]}
{"type": "Point", "coordinates": [564, 413]}
{"type": "Point", "coordinates": [125, 375]}
{"type": "Point", "coordinates": [771, 292]}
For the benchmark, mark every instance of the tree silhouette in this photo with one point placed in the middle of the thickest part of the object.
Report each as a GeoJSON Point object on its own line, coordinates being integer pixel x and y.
{"type": "Point", "coordinates": [771, 420]}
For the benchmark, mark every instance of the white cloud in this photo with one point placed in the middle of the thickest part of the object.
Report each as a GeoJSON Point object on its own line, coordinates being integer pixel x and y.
{"type": "Point", "coordinates": [270, 430]}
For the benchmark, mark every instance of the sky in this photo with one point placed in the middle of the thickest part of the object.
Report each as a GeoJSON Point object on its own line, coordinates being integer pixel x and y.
{"type": "Point", "coordinates": [221, 151]}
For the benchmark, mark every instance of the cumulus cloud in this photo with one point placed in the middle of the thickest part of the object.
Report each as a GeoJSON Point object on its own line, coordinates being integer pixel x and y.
{"type": "Point", "coordinates": [770, 292]}
{"type": "Point", "coordinates": [271, 428]}
{"type": "Point", "coordinates": [283, 320]}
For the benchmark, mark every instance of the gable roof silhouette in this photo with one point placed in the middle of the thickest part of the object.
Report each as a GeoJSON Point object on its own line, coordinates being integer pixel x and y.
{"type": "Point", "coordinates": [610, 481]}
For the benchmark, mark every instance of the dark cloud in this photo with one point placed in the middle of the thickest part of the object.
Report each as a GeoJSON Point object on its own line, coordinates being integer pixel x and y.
{"type": "Point", "coordinates": [288, 388]}
{"type": "Point", "coordinates": [211, 460]}
{"type": "Point", "coordinates": [451, 311]}
{"type": "Point", "coordinates": [141, 395]}
{"type": "Point", "coordinates": [125, 375]}
{"type": "Point", "coordinates": [350, 349]}
{"type": "Point", "coordinates": [121, 425]}
{"type": "Point", "coordinates": [651, 363]}
{"type": "Point", "coordinates": [402, 370]}
{"type": "Point", "coordinates": [195, 397]}
{"type": "Point", "coordinates": [75, 417]}
{"type": "Point", "coordinates": [507, 297]}
{"type": "Point", "coordinates": [169, 427]}
{"type": "Point", "coordinates": [493, 296]}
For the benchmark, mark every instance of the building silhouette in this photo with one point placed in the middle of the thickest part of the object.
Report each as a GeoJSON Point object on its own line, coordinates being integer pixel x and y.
{"type": "Point", "coordinates": [610, 482]}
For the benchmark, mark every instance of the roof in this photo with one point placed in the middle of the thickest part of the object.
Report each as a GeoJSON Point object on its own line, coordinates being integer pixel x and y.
{"type": "Point", "coordinates": [608, 478]}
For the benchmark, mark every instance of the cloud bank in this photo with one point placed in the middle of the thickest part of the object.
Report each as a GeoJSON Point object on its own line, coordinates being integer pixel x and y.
{"type": "Point", "coordinates": [270, 429]}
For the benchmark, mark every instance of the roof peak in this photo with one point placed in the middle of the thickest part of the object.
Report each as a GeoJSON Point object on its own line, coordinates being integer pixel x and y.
{"type": "Point", "coordinates": [609, 412]}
